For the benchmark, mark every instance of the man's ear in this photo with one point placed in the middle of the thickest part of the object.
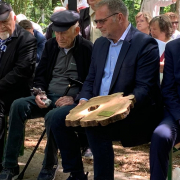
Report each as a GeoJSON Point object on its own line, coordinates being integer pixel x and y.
{"type": "Point", "coordinates": [77, 30]}
{"type": "Point", "coordinates": [14, 17]}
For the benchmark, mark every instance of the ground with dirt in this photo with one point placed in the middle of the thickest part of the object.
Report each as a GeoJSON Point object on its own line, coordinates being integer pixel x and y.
{"type": "Point", "coordinates": [133, 160]}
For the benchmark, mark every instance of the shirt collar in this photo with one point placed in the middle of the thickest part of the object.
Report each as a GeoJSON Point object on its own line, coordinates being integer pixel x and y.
{"type": "Point", "coordinates": [67, 50]}
{"type": "Point", "coordinates": [15, 33]}
{"type": "Point", "coordinates": [91, 11]}
{"type": "Point", "coordinates": [123, 35]}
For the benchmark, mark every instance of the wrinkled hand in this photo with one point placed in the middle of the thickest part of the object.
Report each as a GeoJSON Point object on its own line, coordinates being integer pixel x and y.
{"type": "Point", "coordinates": [39, 101]}
{"type": "Point", "coordinates": [82, 102]}
{"type": "Point", "coordinates": [64, 101]}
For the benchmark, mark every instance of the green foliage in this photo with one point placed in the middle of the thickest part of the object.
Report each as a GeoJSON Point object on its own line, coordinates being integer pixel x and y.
{"type": "Point", "coordinates": [170, 8]}
{"type": "Point", "coordinates": [39, 11]}
{"type": "Point", "coordinates": [35, 10]}
{"type": "Point", "coordinates": [133, 7]}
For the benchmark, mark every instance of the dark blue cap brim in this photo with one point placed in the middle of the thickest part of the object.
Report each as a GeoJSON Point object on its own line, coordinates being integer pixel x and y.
{"type": "Point", "coordinates": [4, 16]}
{"type": "Point", "coordinates": [60, 29]}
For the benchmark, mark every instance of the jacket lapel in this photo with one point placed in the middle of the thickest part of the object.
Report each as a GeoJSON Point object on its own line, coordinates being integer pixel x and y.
{"type": "Point", "coordinates": [103, 53]}
{"type": "Point", "coordinates": [124, 50]}
{"type": "Point", "coordinates": [4, 60]}
{"type": "Point", "coordinates": [10, 49]}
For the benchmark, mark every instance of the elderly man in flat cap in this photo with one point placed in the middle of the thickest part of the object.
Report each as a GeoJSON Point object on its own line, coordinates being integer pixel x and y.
{"type": "Point", "coordinates": [17, 63]}
{"type": "Point", "coordinates": [68, 55]}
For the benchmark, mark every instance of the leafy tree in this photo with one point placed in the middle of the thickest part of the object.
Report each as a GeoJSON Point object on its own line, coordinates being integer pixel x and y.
{"type": "Point", "coordinates": [133, 7]}
{"type": "Point", "coordinates": [38, 11]}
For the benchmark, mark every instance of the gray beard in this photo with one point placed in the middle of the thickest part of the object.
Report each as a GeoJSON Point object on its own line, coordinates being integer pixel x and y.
{"type": "Point", "coordinates": [4, 35]}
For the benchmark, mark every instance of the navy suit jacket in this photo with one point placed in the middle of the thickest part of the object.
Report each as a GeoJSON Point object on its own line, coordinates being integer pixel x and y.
{"type": "Point", "coordinates": [41, 40]}
{"type": "Point", "coordinates": [171, 79]}
{"type": "Point", "coordinates": [136, 72]}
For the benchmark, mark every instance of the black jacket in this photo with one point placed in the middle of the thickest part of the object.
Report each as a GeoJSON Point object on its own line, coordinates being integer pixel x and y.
{"type": "Point", "coordinates": [84, 23]}
{"type": "Point", "coordinates": [17, 66]}
{"type": "Point", "coordinates": [82, 55]}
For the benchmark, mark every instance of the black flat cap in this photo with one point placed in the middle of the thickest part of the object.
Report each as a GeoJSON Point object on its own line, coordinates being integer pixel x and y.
{"type": "Point", "coordinates": [5, 9]}
{"type": "Point", "coordinates": [63, 20]}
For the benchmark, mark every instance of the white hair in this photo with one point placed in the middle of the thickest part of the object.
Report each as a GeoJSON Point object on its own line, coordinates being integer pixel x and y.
{"type": "Point", "coordinates": [20, 17]}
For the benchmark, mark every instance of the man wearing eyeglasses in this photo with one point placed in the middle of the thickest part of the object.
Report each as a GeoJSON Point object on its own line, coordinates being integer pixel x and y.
{"type": "Point", "coordinates": [175, 23]}
{"type": "Point", "coordinates": [123, 60]}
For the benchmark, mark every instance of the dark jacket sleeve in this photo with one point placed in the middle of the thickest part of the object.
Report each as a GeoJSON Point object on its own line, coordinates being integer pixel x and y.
{"type": "Point", "coordinates": [41, 40]}
{"type": "Point", "coordinates": [24, 63]}
{"type": "Point", "coordinates": [44, 70]}
{"type": "Point", "coordinates": [147, 85]}
{"type": "Point", "coordinates": [170, 83]}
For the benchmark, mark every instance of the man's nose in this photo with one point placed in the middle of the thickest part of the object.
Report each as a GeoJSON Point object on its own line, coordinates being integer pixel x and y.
{"type": "Point", "coordinates": [98, 25]}
{"type": "Point", "coordinates": [1, 25]}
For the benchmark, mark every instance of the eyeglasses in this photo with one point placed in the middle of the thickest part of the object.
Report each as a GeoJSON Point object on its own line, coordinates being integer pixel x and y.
{"type": "Point", "coordinates": [102, 21]}
{"type": "Point", "coordinates": [175, 22]}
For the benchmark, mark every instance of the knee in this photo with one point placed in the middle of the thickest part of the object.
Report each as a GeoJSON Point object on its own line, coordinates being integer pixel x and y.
{"type": "Point", "coordinates": [163, 135]}
{"type": "Point", "coordinates": [58, 121]}
{"type": "Point", "coordinates": [18, 104]}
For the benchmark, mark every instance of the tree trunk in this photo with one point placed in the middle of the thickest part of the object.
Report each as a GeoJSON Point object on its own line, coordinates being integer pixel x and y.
{"type": "Point", "coordinates": [177, 9]}
{"type": "Point", "coordinates": [54, 3]}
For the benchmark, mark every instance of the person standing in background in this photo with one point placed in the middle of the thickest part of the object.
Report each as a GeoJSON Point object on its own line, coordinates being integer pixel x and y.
{"type": "Point", "coordinates": [41, 40]}
{"type": "Point", "coordinates": [175, 23]}
{"type": "Point", "coordinates": [87, 25]}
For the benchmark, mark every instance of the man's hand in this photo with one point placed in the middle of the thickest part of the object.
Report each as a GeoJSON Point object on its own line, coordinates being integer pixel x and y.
{"type": "Point", "coordinates": [64, 101]}
{"type": "Point", "coordinates": [39, 101]}
{"type": "Point", "coordinates": [82, 101]}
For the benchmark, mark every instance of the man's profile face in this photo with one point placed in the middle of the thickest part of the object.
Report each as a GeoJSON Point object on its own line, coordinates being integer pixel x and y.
{"type": "Point", "coordinates": [65, 39]}
{"type": "Point", "coordinates": [107, 24]}
{"type": "Point", "coordinates": [7, 26]}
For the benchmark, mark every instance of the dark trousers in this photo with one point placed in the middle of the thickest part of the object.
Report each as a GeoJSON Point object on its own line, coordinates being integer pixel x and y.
{"type": "Point", "coordinates": [163, 139]}
{"type": "Point", "coordinates": [21, 110]}
{"type": "Point", "coordinates": [67, 140]}
{"type": "Point", "coordinates": [2, 129]}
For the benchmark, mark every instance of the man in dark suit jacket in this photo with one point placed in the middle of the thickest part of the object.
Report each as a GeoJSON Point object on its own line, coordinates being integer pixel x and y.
{"type": "Point", "coordinates": [41, 40]}
{"type": "Point", "coordinates": [168, 132]}
{"type": "Point", "coordinates": [123, 60]}
{"type": "Point", "coordinates": [17, 63]}
{"type": "Point", "coordinates": [67, 55]}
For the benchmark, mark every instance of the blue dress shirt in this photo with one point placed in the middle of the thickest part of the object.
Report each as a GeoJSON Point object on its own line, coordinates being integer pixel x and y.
{"type": "Point", "coordinates": [114, 51]}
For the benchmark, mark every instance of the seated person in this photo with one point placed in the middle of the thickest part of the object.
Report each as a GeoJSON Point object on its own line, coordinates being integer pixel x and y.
{"type": "Point", "coordinates": [175, 24]}
{"type": "Point", "coordinates": [161, 29]}
{"type": "Point", "coordinates": [123, 60]}
{"type": "Point", "coordinates": [142, 22]}
{"type": "Point", "coordinates": [167, 133]}
{"type": "Point", "coordinates": [17, 63]}
{"type": "Point", "coordinates": [66, 55]}
{"type": "Point", "coordinates": [41, 40]}
{"type": "Point", "coordinates": [36, 26]}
